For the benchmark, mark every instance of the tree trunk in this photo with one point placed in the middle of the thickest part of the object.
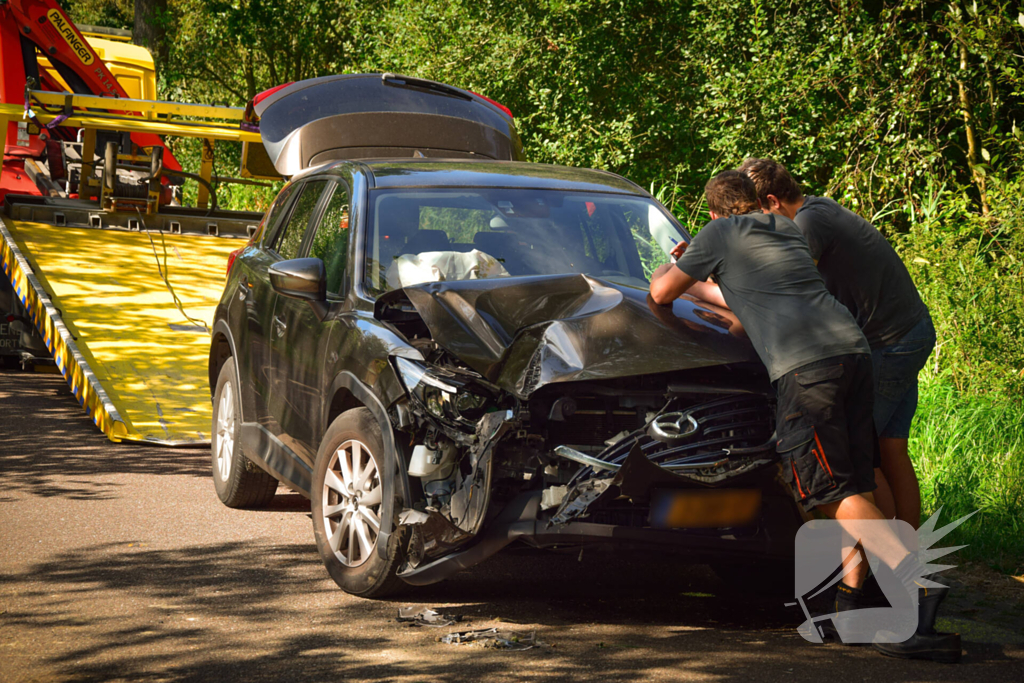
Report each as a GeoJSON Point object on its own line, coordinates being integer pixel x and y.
{"type": "Point", "coordinates": [150, 27]}
{"type": "Point", "coordinates": [972, 141]}
{"type": "Point", "coordinates": [250, 76]}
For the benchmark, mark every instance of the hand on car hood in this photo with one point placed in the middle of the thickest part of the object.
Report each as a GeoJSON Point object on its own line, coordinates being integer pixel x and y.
{"type": "Point", "coordinates": [523, 333]}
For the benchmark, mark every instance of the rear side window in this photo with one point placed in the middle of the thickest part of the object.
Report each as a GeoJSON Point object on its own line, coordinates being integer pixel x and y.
{"type": "Point", "coordinates": [330, 243]}
{"type": "Point", "coordinates": [281, 203]}
{"type": "Point", "coordinates": [289, 238]}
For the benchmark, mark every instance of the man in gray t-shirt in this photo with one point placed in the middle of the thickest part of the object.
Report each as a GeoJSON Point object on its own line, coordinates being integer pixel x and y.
{"type": "Point", "coordinates": [816, 356]}
{"type": "Point", "coordinates": [763, 266]}
{"type": "Point", "coordinates": [867, 276]}
{"type": "Point", "coordinates": [820, 364]}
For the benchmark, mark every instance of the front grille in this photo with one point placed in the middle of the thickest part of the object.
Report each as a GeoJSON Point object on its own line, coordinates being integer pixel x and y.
{"type": "Point", "coordinates": [593, 427]}
{"type": "Point", "coordinates": [715, 444]}
{"type": "Point", "coordinates": [730, 424]}
{"type": "Point", "coordinates": [724, 426]}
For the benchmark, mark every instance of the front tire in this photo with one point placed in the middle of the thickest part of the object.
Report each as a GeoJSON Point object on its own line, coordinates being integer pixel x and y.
{"type": "Point", "coordinates": [346, 501]}
{"type": "Point", "coordinates": [239, 483]}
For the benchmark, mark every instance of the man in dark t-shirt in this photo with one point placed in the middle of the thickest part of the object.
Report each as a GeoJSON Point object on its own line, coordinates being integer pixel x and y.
{"type": "Point", "coordinates": [863, 271]}
{"type": "Point", "coordinates": [815, 353]}
{"type": "Point", "coordinates": [820, 364]}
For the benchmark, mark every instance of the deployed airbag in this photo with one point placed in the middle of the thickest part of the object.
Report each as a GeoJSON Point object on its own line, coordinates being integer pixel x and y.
{"type": "Point", "coordinates": [442, 266]}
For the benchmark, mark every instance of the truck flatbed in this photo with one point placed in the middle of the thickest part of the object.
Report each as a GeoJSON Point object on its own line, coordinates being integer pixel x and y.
{"type": "Point", "coordinates": [134, 361]}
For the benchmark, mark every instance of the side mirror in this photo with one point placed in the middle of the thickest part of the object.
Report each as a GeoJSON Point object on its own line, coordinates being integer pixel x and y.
{"type": "Point", "coordinates": [300, 278]}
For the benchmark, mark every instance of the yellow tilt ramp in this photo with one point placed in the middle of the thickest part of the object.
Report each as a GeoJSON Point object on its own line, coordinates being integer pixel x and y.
{"type": "Point", "coordinates": [133, 360]}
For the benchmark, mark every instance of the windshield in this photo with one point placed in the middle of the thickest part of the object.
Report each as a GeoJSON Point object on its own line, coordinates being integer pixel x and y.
{"type": "Point", "coordinates": [430, 235]}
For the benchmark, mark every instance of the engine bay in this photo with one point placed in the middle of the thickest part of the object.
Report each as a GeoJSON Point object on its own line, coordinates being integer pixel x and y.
{"type": "Point", "coordinates": [473, 447]}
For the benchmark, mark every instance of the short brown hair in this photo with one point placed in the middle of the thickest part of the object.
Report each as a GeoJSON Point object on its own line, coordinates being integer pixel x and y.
{"type": "Point", "coordinates": [771, 177]}
{"type": "Point", "coordinates": [731, 193]}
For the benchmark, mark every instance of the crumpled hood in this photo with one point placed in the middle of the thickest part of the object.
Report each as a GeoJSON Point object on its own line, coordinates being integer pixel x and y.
{"type": "Point", "coordinates": [523, 333]}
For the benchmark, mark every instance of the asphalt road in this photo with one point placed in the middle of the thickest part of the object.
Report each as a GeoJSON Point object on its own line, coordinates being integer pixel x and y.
{"type": "Point", "coordinates": [119, 563]}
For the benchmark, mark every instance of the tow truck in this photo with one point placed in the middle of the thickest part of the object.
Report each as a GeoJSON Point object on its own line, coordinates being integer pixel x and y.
{"type": "Point", "coordinates": [118, 278]}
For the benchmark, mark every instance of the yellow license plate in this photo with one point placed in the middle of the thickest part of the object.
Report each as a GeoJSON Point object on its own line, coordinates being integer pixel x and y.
{"type": "Point", "coordinates": [708, 509]}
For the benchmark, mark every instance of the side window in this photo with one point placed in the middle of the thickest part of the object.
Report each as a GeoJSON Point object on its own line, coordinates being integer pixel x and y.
{"type": "Point", "coordinates": [279, 206]}
{"type": "Point", "coordinates": [653, 236]}
{"type": "Point", "coordinates": [330, 242]}
{"type": "Point", "coordinates": [289, 237]}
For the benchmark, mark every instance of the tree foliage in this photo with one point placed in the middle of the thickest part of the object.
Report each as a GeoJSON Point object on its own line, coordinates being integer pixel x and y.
{"type": "Point", "coordinates": [908, 111]}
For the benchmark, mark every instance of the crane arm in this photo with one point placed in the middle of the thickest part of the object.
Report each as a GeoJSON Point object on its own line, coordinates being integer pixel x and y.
{"type": "Point", "coordinates": [48, 27]}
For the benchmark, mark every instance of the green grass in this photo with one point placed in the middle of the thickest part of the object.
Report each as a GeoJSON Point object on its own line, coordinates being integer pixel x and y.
{"type": "Point", "coordinates": [969, 453]}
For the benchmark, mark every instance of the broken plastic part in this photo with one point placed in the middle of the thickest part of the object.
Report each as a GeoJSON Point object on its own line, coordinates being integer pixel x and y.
{"type": "Point", "coordinates": [621, 435]}
{"type": "Point", "coordinates": [517, 519]}
{"type": "Point", "coordinates": [420, 464]}
{"type": "Point", "coordinates": [584, 459]}
{"type": "Point", "coordinates": [580, 498]}
{"type": "Point", "coordinates": [437, 536]}
{"type": "Point", "coordinates": [410, 517]}
{"type": "Point", "coordinates": [492, 637]}
{"type": "Point", "coordinates": [553, 497]}
{"type": "Point", "coordinates": [635, 479]}
{"type": "Point", "coordinates": [469, 502]}
{"type": "Point", "coordinates": [432, 463]}
{"type": "Point", "coordinates": [413, 374]}
{"type": "Point", "coordinates": [403, 415]}
{"type": "Point", "coordinates": [424, 616]}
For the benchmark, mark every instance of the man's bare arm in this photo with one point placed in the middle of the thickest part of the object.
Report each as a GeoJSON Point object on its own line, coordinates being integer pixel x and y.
{"type": "Point", "coordinates": [710, 292]}
{"type": "Point", "coordinates": [668, 283]}
{"type": "Point", "coordinates": [661, 270]}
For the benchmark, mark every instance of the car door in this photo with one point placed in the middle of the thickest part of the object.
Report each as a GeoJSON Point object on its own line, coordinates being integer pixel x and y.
{"type": "Point", "coordinates": [284, 396]}
{"type": "Point", "coordinates": [299, 351]}
{"type": "Point", "coordinates": [250, 312]}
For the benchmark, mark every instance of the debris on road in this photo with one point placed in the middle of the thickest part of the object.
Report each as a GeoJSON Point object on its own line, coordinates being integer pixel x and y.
{"type": "Point", "coordinates": [493, 638]}
{"type": "Point", "coordinates": [425, 616]}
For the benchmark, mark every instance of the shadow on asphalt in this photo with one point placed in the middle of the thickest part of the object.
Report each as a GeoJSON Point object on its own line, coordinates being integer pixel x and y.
{"type": "Point", "coordinates": [51, 434]}
{"type": "Point", "coordinates": [258, 611]}
{"type": "Point", "coordinates": [612, 618]}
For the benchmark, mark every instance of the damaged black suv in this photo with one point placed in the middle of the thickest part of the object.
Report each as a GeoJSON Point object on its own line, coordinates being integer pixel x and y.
{"type": "Point", "coordinates": [451, 353]}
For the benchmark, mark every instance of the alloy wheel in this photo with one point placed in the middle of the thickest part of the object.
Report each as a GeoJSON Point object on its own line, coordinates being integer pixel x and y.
{"type": "Point", "coordinates": [225, 432]}
{"type": "Point", "coordinates": [351, 503]}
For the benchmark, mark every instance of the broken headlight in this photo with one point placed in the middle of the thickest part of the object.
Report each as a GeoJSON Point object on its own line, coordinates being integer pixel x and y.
{"type": "Point", "coordinates": [445, 394]}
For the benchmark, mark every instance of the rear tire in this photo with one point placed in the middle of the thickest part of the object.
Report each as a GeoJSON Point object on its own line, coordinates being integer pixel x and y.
{"type": "Point", "coordinates": [238, 481]}
{"type": "Point", "coordinates": [346, 500]}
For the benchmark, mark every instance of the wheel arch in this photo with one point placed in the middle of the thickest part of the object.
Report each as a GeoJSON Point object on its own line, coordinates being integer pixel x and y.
{"type": "Point", "coordinates": [347, 392]}
{"type": "Point", "coordinates": [222, 348]}
{"type": "Point", "coordinates": [343, 400]}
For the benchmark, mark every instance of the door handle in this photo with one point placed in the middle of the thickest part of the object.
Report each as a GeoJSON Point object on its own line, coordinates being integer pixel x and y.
{"type": "Point", "coordinates": [279, 326]}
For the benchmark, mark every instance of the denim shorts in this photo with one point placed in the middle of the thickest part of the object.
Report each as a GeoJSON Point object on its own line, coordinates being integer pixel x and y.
{"type": "Point", "coordinates": [896, 367]}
